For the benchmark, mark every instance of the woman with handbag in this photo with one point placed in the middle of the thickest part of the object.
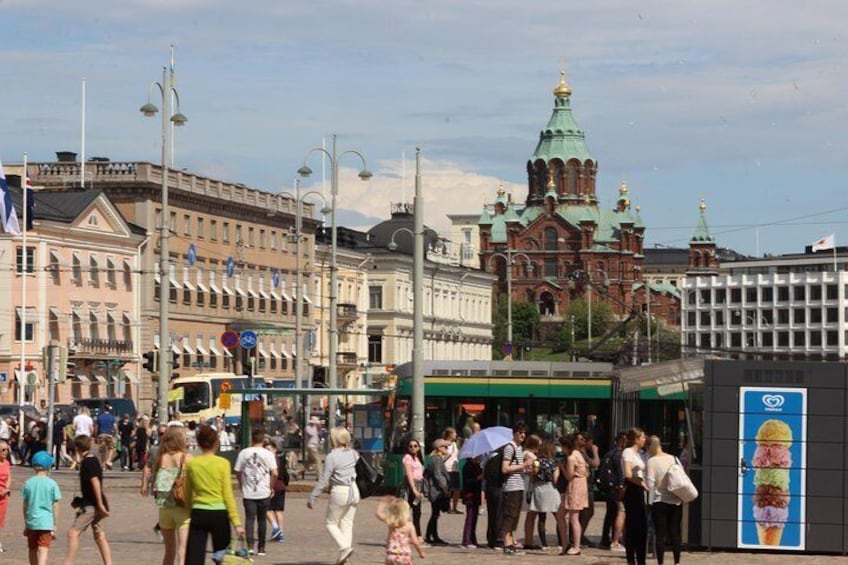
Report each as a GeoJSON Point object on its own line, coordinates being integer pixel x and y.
{"type": "Point", "coordinates": [413, 484]}
{"type": "Point", "coordinates": [169, 493]}
{"type": "Point", "coordinates": [439, 491]}
{"type": "Point", "coordinates": [666, 508]}
{"type": "Point", "coordinates": [209, 494]}
{"type": "Point", "coordinates": [339, 474]}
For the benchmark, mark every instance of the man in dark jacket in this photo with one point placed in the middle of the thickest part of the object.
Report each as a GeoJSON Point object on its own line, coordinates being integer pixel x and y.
{"type": "Point", "coordinates": [611, 480]}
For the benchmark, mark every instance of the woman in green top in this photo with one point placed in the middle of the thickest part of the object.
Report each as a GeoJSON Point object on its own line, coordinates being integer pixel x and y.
{"type": "Point", "coordinates": [170, 463]}
{"type": "Point", "coordinates": [209, 494]}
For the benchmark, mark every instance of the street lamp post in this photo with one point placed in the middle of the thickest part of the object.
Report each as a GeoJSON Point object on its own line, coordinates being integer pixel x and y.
{"type": "Point", "coordinates": [510, 262]}
{"type": "Point", "coordinates": [417, 424]}
{"type": "Point", "coordinates": [166, 89]}
{"type": "Point", "coordinates": [364, 174]}
{"type": "Point", "coordinates": [588, 277]}
{"type": "Point", "coordinates": [296, 237]}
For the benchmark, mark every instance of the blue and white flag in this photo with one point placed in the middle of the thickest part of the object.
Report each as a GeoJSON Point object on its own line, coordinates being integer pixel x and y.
{"type": "Point", "coordinates": [8, 215]}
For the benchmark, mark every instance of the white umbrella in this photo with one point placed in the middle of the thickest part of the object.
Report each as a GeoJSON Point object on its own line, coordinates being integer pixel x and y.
{"type": "Point", "coordinates": [485, 441]}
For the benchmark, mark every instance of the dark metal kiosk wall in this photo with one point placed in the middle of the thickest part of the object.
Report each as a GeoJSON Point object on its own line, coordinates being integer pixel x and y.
{"type": "Point", "coordinates": [774, 450]}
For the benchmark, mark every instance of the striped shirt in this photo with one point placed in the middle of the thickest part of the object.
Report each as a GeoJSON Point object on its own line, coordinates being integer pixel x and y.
{"type": "Point", "coordinates": [513, 455]}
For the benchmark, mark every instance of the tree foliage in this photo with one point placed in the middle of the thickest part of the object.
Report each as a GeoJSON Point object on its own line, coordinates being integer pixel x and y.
{"type": "Point", "coordinates": [603, 318]}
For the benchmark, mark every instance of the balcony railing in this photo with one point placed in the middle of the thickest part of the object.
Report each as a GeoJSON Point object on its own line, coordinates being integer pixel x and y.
{"type": "Point", "coordinates": [89, 345]}
{"type": "Point", "coordinates": [346, 359]}
{"type": "Point", "coordinates": [346, 313]}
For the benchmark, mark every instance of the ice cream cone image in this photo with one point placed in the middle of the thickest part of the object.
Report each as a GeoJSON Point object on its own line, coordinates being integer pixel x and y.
{"type": "Point", "coordinates": [772, 461]}
{"type": "Point", "coordinates": [769, 536]}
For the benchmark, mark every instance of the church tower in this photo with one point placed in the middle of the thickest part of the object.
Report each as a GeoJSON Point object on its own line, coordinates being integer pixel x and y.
{"type": "Point", "coordinates": [702, 247]}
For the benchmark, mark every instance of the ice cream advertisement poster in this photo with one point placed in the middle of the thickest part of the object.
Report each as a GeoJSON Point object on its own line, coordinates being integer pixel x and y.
{"type": "Point", "coordinates": [772, 468]}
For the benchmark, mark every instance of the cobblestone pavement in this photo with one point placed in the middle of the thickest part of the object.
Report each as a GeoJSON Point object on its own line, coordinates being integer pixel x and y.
{"type": "Point", "coordinates": [130, 534]}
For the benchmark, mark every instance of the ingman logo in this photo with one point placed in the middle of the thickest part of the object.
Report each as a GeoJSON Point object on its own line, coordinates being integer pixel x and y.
{"type": "Point", "coordinates": [773, 402]}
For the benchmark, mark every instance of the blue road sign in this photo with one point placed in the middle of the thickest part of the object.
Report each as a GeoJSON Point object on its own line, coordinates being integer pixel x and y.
{"type": "Point", "coordinates": [4, 377]}
{"type": "Point", "coordinates": [192, 254]}
{"type": "Point", "coordinates": [248, 339]}
{"type": "Point", "coordinates": [275, 278]}
{"type": "Point", "coordinates": [231, 267]}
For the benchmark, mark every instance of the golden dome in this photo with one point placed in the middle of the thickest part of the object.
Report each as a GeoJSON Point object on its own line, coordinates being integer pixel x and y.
{"type": "Point", "coordinates": [702, 206]}
{"type": "Point", "coordinates": [562, 90]}
{"type": "Point", "coordinates": [501, 190]}
{"type": "Point", "coordinates": [622, 190]}
{"type": "Point", "coordinates": [638, 208]}
{"type": "Point", "coordinates": [551, 185]}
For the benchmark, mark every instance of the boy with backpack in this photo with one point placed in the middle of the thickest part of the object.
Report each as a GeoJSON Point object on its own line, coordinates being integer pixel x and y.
{"type": "Point", "coordinates": [610, 480]}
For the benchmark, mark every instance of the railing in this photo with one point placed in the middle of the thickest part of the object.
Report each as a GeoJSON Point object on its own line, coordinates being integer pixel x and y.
{"type": "Point", "coordinates": [346, 313]}
{"type": "Point", "coordinates": [136, 173]}
{"type": "Point", "coordinates": [89, 345]}
{"type": "Point", "coordinates": [346, 359]}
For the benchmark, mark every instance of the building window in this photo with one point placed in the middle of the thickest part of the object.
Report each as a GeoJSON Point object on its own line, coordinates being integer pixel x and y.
{"type": "Point", "coordinates": [186, 224]}
{"type": "Point", "coordinates": [690, 319]}
{"type": "Point", "coordinates": [832, 338]}
{"type": "Point", "coordinates": [832, 292]}
{"type": "Point", "coordinates": [800, 339]}
{"type": "Point", "coordinates": [720, 296]}
{"type": "Point", "coordinates": [705, 319]}
{"type": "Point", "coordinates": [28, 326]}
{"type": "Point", "coordinates": [551, 268]}
{"type": "Point", "coordinates": [750, 295]}
{"type": "Point", "coordinates": [815, 315]}
{"type": "Point", "coordinates": [262, 235]}
{"type": "Point", "coordinates": [273, 240]}
{"type": "Point", "coordinates": [225, 233]}
{"type": "Point", "coordinates": [238, 234]}
{"type": "Point", "coordinates": [783, 316]}
{"type": "Point", "coordinates": [250, 236]}
{"type": "Point", "coordinates": [736, 339]}
{"type": "Point", "coordinates": [783, 339]}
{"type": "Point", "coordinates": [815, 338]}
{"type": "Point", "coordinates": [200, 228]}
{"type": "Point", "coordinates": [375, 297]}
{"type": "Point", "coordinates": [800, 293]}
{"type": "Point", "coordinates": [30, 260]}
{"type": "Point", "coordinates": [550, 239]}
{"type": "Point", "coordinates": [800, 316]}
{"type": "Point", "coordinates": [735, 295]}
{"type": "Point", "coordinates": [719, 318]}
{"type": "Point", "coordinates": [782, 293]}
{"type": "Point", "coordinates": [93, 270]}
{"type": "Point", "coordinates": [832, 315]}
{"type": "Point", "coordinates": [375, 348]}
{"type": "Point", "coordinates": [213, 230]}
{"type": "Point", "coordinates": [201, 297]}
{"type": "Point", "coordinates": [815, 293]}
{"type": "Point", "coordinates": [767, 294]}
{"type": "Point", "coordinates": [768, 339]}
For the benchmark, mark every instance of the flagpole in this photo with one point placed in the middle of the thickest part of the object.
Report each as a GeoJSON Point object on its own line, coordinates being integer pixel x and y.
{"type": "Point", "coordinates": [834, 256]}
{"type": "Point", "coordinates": [21, 374]}
{"type": "Point", "coordinates": [82, 141]}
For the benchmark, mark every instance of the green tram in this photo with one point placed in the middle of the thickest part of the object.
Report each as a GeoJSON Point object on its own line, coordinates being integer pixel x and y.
{"type": "Point", "coordinates": [553, 399]}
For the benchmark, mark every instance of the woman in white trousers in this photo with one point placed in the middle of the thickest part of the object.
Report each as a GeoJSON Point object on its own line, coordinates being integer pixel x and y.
{"type": "Point", "coordinates": [340, 475]}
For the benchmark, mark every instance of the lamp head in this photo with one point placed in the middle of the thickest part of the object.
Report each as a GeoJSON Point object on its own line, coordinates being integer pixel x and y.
{"type": "Point", "coordinates": [149, 109]}
{"type": "Point", "coordinates": [179, 119]}
{"type": "Point", "coordinates": [365, 174]}
{"type": "Point", "coordinates": [392, 245]}
{"type": "Point", "coordinates": [326, 210]}
{"type": "Point", "coordinates": [304, 171]}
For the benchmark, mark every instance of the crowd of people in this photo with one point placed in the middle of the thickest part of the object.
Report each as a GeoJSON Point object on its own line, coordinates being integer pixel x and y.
{"type": "Point", "coordinates": [192, 487]}
{"type": "Point", "coordinates": [538, 476]}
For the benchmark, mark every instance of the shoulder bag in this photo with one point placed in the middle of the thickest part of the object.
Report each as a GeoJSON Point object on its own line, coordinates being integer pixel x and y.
{"type": "Point", "coordinates": [178, 489]}
{"type": "Point", "coordinates": [678, 483]}
{"type": "Point", "coordinates": [368, 478]}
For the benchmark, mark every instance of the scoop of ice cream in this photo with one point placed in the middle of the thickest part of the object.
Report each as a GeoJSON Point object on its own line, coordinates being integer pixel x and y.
{"type": "Point", "coordinates": [771, 476]}
{"type": "Point", "coordinates": [772, 456]}
{"type": "Point", "coordinates": [774, 432]}
{"type": "Point", "coordinates": [770, 516]}
{"type": "Point", "coordinates": [768, 495]}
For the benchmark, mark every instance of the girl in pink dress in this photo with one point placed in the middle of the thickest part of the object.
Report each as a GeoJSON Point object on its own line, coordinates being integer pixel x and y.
{"type": "Point", "coordinates": [5, 482]}
{"type": "Point", "coordinates": [395, 513]}
{"type": "Point", "coordinates": [576, 497]}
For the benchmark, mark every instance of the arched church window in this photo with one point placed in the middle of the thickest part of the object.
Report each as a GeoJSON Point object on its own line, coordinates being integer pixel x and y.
{"type": "Point", "coordinates": [551, 268]}
{"type": "Point", "coordinates": [572, 177]}
{"type": "Point", "coordinates": [550, 239]}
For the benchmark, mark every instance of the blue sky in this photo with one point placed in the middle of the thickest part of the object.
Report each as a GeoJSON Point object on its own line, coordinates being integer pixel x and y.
{"type": "Point", "coordinates": [740, 102]}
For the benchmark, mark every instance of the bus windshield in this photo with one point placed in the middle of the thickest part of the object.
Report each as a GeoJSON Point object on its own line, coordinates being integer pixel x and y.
{"type": "Point", "coordinates": [195, 397]}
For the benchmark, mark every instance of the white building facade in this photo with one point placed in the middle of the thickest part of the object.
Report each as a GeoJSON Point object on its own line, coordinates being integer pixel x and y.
{"type": "Point", "coordinates": [792, 306]}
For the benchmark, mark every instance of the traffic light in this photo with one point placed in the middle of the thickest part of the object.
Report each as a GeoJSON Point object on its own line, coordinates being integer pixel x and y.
{"type": "Point", "coordinates": [150, 361]}
{"type": "Point", "coordinates": [175, 361]}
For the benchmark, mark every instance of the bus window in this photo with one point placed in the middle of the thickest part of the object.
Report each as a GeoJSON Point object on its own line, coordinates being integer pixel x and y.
{"type": "Point", "coordinates": [195, 397]}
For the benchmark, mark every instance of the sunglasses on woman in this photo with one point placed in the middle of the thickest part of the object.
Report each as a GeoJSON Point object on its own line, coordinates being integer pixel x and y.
{"type": "Point", "coordinates": [413, 445]}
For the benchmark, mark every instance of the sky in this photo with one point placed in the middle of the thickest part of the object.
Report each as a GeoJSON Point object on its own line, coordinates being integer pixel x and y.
{"type": "Point", "coordinates": [739, 102]}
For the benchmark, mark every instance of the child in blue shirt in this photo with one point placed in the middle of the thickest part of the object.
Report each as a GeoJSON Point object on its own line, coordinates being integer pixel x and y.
{"type": "Point", "coordinates": [41, 496]}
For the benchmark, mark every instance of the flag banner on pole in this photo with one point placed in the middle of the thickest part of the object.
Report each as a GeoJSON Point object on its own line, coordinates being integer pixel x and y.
{"type": "Point", "coordinates": [8, 215]}
{"type": "Point", "coordinates": [30, 203]}
{"type": "Point", "coordinates": [825, 243]}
